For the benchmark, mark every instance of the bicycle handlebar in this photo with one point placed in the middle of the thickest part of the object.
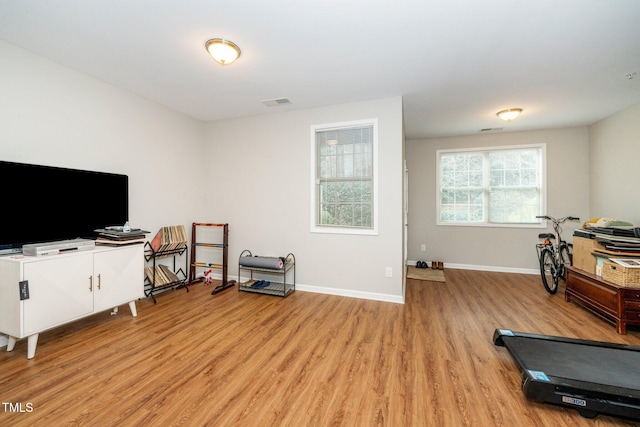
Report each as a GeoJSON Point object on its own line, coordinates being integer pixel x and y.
{"type": "Point", "coordinates": [561, 220]}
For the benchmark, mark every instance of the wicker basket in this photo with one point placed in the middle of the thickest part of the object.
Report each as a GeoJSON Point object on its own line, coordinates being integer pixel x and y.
{"type": "Point", "coordinates": [621, 275]}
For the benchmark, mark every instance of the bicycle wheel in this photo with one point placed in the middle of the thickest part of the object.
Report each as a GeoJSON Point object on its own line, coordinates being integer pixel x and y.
{"type": "Point", "coordinates": [549, 271]}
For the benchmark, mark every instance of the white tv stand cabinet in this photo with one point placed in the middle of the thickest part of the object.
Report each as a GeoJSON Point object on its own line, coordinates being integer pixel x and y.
{"type": "Point", "coordinates": [66, 287]}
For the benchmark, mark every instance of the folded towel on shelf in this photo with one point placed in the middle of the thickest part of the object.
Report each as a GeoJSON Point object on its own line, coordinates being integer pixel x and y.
{"type": "Point", "coordinates": [606, 222]}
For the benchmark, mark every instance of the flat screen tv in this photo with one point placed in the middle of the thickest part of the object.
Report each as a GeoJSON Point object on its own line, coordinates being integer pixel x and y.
{"type": "Point", "coordinates": [47, 204]}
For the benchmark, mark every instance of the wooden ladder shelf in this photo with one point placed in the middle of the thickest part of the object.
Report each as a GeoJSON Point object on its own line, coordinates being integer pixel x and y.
{"type": "Point", "coordinates": [195, 264]}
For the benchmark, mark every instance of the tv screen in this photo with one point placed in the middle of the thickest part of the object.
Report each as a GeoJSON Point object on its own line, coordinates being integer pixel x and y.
{"type": "Point", "coordinates": [46, 204]}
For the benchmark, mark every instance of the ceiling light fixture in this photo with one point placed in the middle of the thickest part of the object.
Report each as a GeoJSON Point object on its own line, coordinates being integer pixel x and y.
{"type": "Point", "coordinates": [222, 51]}
{"type": "Point", "coordinates": [509, 114]}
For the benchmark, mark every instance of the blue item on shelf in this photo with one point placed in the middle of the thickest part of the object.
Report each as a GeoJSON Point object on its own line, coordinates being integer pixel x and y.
{"type": "Point", "coordinates": [261, 284]}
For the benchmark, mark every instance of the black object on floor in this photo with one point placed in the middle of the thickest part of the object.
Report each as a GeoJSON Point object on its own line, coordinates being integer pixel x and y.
{"type": "Point", "coordinates": [592, 377]}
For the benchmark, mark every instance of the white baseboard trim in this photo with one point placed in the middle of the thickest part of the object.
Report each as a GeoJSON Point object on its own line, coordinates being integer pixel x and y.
{"type": "Point", "coordinates": [345, 293]}
{"type": "Point", "coordinates": [3, 341]}
{"type": "Point", "coordinates": [350, 293]}
{"type": "Point", "coordinates": [398, 299]}
{"type": "Point", "coordinates": [486, 268]}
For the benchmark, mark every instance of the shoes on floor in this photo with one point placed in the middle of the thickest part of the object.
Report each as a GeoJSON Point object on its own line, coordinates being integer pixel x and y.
{"type": "Point", "coordinates": [437, 265]}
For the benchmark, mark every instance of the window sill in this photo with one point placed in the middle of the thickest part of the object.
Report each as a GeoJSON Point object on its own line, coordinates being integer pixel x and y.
{"type": "Point", "coordinates": [339, 230]}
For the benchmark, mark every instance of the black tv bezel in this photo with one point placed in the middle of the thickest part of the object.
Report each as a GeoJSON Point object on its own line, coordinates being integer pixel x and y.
{"type": "Point", "coordinates": [72, 207]}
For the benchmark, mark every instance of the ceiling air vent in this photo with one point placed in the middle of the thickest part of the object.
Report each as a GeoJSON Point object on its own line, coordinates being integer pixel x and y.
{"type": "Point", "coordinates": [490, 129]}
{"type": "Point", "coordinates": [276, 102]}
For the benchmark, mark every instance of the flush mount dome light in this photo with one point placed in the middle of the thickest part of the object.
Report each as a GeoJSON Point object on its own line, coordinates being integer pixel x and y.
{"type": "Point", "coordinates": [222, 51]}
{"type": "Point", "coordinates": [509, 114]}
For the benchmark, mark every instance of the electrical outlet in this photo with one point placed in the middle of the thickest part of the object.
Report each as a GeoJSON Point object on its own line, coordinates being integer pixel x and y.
{"type": "Point", "coordinates": [423, 248]}
{"type": "Point", "coordinates": [388, 272]}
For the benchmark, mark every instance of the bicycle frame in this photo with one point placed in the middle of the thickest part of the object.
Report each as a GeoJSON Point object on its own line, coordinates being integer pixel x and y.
{"type": "Point", "coordinates": [553, 258]}
{"type": "Point", "coordinates": [555, 247]}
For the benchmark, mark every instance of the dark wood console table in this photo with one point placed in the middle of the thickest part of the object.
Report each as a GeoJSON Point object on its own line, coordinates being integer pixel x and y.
{"type": "Point", "coordinates": [614, 303]}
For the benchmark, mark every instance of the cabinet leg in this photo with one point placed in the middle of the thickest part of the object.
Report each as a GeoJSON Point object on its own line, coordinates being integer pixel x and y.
{"type": "Point", "coordinates": [32, 342]}
{"type": "Point", "coordinates": [132, 306]}
{"type": "Point", "coordinates": [11, 343]}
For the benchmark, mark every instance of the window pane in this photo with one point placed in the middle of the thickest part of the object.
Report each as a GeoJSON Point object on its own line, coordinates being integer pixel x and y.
{"type": "Point", "coordinates": [496, 178]}
{"type": "Point", "coordinates": [446, 197]}
{"type": "Point", "coordinates": [516, 205]}
{"type": "Point", "coordinates": [512, 178]}
{"type": "Point", "coordinates": [446, 212]}
{"type": "Point", "coordinates": [461, 197]}
{"type": "Point", "coordinates": [446, 164]}
{"type": "Point", "coordinates": [446, 179]}
{"type": "Point", "coordinates": [512, 193]}
{"type": "Point", "coordinates": [476, 213]}
{"type": "Point", "coordinates": [327, 167]}
{"type": "Point", "coordinates": [475, 162]}
{"type": "Point", "coordinates": [529, 177]}
{"type": "Point", "coordinates": [476, 179]}
{"type": "Point", "coordinates": [344, 214]}
{"type": "Point", "coordinates": [460, 162]}
{"type": "Point", "coordinates": [461, 179]}
{"type": "Point", "coordinates": [345, 176]}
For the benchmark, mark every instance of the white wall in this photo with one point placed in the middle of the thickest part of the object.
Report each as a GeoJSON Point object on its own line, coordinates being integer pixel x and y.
{"type": "Point", "coordinates": [495, 248]}
{"type": "Point", "coordinates": [259, 182]}
{"type": "Point", "coordinates": [53, 115]}
{"type": "Point", "coordinates": [615, 166]}
{"type": "Point", "coordinates": [252, 173]}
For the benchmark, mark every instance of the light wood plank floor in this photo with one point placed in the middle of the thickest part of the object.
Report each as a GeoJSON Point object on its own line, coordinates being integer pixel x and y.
{"type": "Point", "coordinates": [239, 359]}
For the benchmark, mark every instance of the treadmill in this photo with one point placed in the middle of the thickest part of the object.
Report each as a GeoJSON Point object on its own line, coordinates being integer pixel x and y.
{"type": "Point", "coordinates": [590, 376]}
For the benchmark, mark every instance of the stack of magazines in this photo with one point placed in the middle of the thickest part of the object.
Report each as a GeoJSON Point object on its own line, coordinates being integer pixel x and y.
{"type": "Point", "coordinates": [160, 275]}
{"type": "Point", "coordinates": [118, 236]}
{"type": "Point", "coordinates": [169, 238]}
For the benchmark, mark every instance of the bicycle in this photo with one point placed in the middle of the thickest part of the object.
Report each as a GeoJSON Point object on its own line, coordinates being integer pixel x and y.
{"type": "Point", "coordinates": [554, 258]}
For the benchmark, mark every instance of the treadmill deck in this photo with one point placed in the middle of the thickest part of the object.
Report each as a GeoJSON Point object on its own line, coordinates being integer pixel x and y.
{"type": "Point", "coordinates": [590, 376]}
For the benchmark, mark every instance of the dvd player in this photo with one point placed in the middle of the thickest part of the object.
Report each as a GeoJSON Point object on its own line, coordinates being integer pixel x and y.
{"type": "Point", "coordinates": [51, 248]}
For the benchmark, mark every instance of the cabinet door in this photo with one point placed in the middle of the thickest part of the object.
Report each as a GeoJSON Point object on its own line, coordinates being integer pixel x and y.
{"type": "Point", "coordinates": [119, 277]}
{"type": "Point", "coordinates": [60, 290]}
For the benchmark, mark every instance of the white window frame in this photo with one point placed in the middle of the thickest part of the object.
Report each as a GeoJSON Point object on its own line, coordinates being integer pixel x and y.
{"type": "Point", "coordinates": [317, 228]}
{"type": "Point", "coordinates": [542, 186]}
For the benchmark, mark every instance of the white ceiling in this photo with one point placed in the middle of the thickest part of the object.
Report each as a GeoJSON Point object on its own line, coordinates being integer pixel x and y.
{"type": "Point", "coordinates": [454, 62]}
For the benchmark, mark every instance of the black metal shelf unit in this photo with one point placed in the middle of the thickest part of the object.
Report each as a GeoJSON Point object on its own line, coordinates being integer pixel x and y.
{"type": "Point", "coordinates": [277, 288]}
{"type": "Point", "coordinates": [160, 277]}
